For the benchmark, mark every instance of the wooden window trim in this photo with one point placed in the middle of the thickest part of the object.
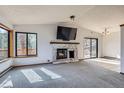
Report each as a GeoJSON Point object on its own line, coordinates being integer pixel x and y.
{"type": "Point", "coordinates": [10, 39]}
{"type": "Point", "coordinates": [5, 27]}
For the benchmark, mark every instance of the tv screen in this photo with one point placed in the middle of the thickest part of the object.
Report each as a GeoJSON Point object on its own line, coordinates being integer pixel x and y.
{"type": "Point", "coordinates": [66, 33]}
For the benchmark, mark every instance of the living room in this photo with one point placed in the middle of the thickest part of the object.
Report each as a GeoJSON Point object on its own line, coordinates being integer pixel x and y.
{"type": "Point", "coordinates": [46, 48]}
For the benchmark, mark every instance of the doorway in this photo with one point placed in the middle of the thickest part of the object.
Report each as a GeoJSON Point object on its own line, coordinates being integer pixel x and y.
{"type": "Point", "coordinates": [90, 48]}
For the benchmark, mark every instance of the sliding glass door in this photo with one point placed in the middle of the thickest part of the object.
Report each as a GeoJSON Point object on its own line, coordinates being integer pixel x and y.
{"type": "Point", "coordinates": [90, 48]}
{"type": "Point", "coordinates": [87, 48]}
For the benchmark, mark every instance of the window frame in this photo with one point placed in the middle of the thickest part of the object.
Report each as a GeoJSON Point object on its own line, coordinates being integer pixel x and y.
{"type": "Point", "coordinates": [91, 47]}
{"type": "Point", "coordinates": [27, 55]}
{"type": "Point", "coordinates": [8, 31]}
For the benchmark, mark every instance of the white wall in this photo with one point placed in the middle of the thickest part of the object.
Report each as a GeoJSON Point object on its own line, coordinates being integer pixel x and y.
{"type": "Point", "coordinates": [111, 45]}
{"type": "Point", "coordinates": [46, 33]}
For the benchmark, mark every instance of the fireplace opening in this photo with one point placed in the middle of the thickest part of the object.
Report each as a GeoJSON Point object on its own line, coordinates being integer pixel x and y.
{"type": "Point", "coordinates": [71, 54]}
{"type": "Point", "coordinates": [61, 53]}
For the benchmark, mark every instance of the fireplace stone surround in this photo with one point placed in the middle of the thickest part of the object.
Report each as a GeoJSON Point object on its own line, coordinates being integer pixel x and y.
{"type": "Point", "coordinates": [68, 52]}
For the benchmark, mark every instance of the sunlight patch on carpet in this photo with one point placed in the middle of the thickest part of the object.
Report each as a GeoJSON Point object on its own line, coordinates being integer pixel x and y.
{"type": "Point", "coordinates": [50, 73]}
{"type": "Point", "coordinates": [7, 83]}
{"type": "Point", "coordinates": [32, 76]}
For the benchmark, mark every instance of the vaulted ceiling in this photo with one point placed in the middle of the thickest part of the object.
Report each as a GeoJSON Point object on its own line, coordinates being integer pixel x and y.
{"type": "Point", "coordinates": [92, 17]}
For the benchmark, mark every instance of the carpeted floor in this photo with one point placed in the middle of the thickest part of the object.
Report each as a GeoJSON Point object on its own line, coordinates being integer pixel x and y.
{"type": "Point", "coordinates": [110, 64]}
{"type": "Point", "coordinates": [72, 75]}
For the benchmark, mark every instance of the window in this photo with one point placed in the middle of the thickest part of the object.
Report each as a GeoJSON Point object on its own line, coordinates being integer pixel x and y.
{"type": "Point", "coordinates": [26, 44]}
{"type": "Point", "coordinates": [4, 44]}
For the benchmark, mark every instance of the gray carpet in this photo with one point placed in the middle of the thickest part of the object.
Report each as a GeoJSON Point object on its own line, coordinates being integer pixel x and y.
{"type": "Point", "coordinates": [73, 75]}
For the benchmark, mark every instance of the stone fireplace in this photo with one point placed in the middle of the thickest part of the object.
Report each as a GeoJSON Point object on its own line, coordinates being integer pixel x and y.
{"type": "Point", "coordinates": [64, 52]}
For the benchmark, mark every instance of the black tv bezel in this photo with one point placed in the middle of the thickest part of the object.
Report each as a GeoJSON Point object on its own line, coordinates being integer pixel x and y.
{"type": "Point", "coordinates": [68, 38]}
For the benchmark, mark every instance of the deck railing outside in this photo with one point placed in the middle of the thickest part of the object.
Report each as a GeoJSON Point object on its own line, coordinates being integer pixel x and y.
{"type": "Point", "coordinates": [23, 51]}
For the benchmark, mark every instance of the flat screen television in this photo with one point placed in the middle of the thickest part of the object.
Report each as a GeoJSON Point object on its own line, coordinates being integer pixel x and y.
{"type": "Point", "coordinates": [66, 33]}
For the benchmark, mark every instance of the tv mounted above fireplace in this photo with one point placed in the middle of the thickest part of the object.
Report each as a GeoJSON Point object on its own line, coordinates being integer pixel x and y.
{"type": "Point", "coordinates": [66, 33]}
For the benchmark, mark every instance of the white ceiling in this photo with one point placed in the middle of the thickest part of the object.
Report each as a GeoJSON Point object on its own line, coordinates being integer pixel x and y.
{"type": "Point", "coordinates": [89, 16]}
